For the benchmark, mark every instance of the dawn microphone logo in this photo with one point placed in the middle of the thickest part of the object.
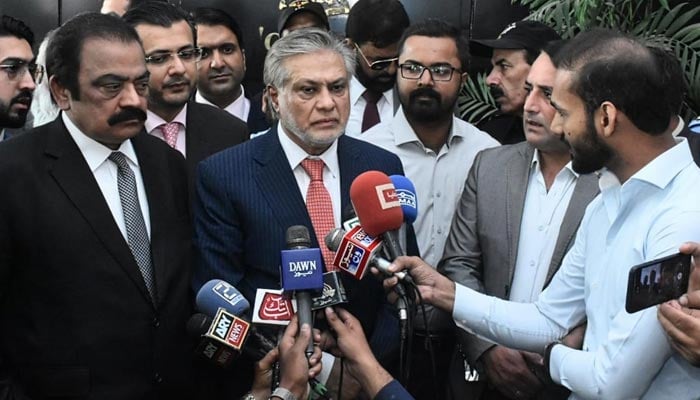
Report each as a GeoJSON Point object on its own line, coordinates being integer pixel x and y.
{"type": "Point", "coordinates": [387, 196]}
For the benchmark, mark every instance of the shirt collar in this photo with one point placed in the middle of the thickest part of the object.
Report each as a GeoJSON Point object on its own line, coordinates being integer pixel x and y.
{"type": "Point", "coordinates": [296, 154]}
{"type": "Point", "coordinates": [536, 163]}
{"type": "Point", "coordinates": [234, 106]}
{"type": "Point", "coordinates": [94, 152]}
{"type": "Point", "coordinates": [357, 89]}
{"type": "Point", "coordinates": [154, 121]}
{"type": "Point", "coordinates": [404, 133]}
{"type": "Point", "coordinates": [679, 127]}
{"type": "Point", "coordinates": [661, 170]}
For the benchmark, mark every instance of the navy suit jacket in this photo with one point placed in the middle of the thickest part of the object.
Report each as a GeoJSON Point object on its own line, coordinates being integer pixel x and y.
{"type": "Point", "coordinates": [247, 197]}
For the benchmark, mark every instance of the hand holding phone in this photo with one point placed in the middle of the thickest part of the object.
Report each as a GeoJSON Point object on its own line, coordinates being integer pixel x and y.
{"type": "Point", "coordinates": [657, 281]}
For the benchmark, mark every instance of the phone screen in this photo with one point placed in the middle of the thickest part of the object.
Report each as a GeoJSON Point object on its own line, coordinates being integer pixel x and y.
{"type": "Point", "coordinates": [657, 281]}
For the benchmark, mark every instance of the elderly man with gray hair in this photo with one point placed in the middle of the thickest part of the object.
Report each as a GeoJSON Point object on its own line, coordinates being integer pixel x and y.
{"type": "Point", "coordinates": [296, 174]}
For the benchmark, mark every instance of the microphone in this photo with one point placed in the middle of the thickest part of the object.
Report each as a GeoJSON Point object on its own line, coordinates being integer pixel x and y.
{"type": "Point", "coordinates": [377, 206]}
{"type": "Point", "coordinates": [355, 250]}
{"type": "Point", "coordinates": [301, 273]}
{"type": "Point", "coordinates": [406, 193]}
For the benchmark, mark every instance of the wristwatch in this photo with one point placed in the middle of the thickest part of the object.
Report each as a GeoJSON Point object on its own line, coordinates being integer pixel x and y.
{"type": "Point", "coordinates": [283, 394]}
{"type": "Point", "coordinates": [248, 396]}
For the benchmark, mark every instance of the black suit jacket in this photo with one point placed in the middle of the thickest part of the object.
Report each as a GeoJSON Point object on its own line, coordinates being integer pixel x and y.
{"type": "Point", "coordinates": [209, 130]}
{"type": "Point", "coordinates": [77, 320]}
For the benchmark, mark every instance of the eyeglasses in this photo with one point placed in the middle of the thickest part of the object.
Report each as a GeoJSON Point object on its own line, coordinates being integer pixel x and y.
{"type": "Point", "coordinates": [225, 49]}
{"type": "Point", "coordinates": [379, 64]}
{"type": "Point", "coordinates": [16, 70]}
{"type": "Point", "coordinates": [187, 55]}
{"type": "Point", "coordinates": [437, 72]}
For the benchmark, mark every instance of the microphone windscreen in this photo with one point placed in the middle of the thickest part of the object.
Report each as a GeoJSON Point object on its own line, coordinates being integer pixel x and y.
{"type": "Point", "coordinates": [406, 193]}
{"type": "Point", "coordinates": [376, 203]}
{"type": "Point", "coordinates": [198, 324]}
{"type": "Point", "coordinates": [217, 293]}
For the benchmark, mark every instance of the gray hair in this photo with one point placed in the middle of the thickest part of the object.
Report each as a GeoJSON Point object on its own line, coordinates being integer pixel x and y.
{"type": "Point", "coordinates": [302, 41]}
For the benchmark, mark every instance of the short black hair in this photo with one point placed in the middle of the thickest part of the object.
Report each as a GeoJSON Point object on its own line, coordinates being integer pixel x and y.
{"type": "Point", "coordinates": [213, 17]}
{"type": "Point", "coordinates": [553, 48]}
{"type": "Point", "coordinates": [438, 28]}
{"type": "Point", "coordinates": [158, 13]}
{"type": "Point", "coordinates": [381, 22]}
{"type": "Point", "coordinates": [63, 54]}
{"type": "Point", "coordinates": [672, 78]}
{"type": "Point", "coordinates": [608, 65]}
{"type": "Point", "coordinates": [10, 26]}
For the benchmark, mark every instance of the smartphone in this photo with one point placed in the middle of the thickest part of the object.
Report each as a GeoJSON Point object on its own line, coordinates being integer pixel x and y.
{"type": "Point", "coordinates": [657, 281]}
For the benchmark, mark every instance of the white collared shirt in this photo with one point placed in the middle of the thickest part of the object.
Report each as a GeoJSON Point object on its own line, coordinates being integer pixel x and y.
{"type": "Point", "coordinates": [438, 178]}
{"type": "Point", "coordinates": [239, 108]}
{"type": "Point", "coordinates": [385, 106]}
{"type": "Point", "coordinates": [153, 122]}
{"type": "Point", "coordinates": [543, 213]}
{"type": "Point", "coordinates": [106, 172]}
{"type": "Point", "coordinates": [2, 135]}
{"type": "Point", "coordinates": [331, 169]}
{"type": "Point", "coordinates": [624, 355]}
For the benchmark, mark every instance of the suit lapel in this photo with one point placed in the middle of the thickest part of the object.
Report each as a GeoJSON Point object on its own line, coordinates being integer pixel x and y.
{"type": "Point", "coordinates": [517, 175]}
{"type": "Point", "coordinates": [73, 175]}
{"type": "Point", "coordinates": [351, 165]}
{"type": "Point", "coordinates": [585, 190]}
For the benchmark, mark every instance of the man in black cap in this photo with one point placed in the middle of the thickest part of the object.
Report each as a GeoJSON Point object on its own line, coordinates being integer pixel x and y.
{"type": "Point", "coordinates": [512, 53]}
{"type": "Point", "coordinates": [302, 14]}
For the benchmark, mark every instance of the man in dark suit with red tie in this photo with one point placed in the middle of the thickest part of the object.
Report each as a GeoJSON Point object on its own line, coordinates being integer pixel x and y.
{"type": "Point", "coordinates": [94, 234]}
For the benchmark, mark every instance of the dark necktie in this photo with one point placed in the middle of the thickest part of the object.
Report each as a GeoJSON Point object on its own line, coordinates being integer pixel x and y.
{"type": "Point", "coordinates": [370, 117]}
{"type": "Point", "coordinates": [320, 207]}
{"type": "Point", "coordinates": [136, 234]}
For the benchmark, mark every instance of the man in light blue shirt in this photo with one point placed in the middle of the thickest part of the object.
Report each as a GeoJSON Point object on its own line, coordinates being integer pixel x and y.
{"type": "Point", "coordinates": [614, 114]}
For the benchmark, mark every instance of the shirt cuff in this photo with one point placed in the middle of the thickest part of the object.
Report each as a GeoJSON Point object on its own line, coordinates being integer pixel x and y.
{"type": "Point", "coordinates": [471, 308]}
{"type": "Point", "coordinates": [557, 355]}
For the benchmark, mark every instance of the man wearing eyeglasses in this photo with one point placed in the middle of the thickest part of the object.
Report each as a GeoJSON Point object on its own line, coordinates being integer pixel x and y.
{"type": "Point", "coordinates": [195, 130]}
{"type": "Point", "coordinates": [223, 66]}
{"type": "Point", "coordinates": [373, 30]}
{"type": "Point", "coordinates": [436, 150]}
{"type": "Point", "coordinates": [18, 74]}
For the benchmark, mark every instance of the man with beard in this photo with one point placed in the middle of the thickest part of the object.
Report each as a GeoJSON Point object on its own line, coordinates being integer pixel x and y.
{"type": "Point", "coordinates": [512, 53]}
{"type": "Point", "coordinates": [247, 196]}
{"type": "Point", "coordinates": [195, 130]}
{"type": "Point", "coordinates": [516, 219]}
{"type": "Point", "coordinates": [613, 111]}
{"type": "Point", "coordinates": [19, 73]}
{"type": "Point", "coordinates": [94, 234]}
{"type": "Point", "coordinates": [436, 150]}
{"type": "Point", "coordinates": [372, 31]}
{"type": "Point", "coordinates": [222, 67]}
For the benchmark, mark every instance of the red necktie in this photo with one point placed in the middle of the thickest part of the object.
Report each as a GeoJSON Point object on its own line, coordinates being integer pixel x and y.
{"type": "Point", "coordinates": [370, 117]}
{"type": "Point", "coordinates": [170, 131]}
{"type": "Point", "coordinates": [320, 207]}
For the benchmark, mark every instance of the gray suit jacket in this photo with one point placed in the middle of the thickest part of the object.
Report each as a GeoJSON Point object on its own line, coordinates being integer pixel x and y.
{"type": "Point", "coordinates": [481, 248]}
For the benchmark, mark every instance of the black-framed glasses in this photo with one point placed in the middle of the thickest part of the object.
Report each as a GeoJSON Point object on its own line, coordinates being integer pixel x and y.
{"type": "Point", "coordinates": [16, 69]}
{"type": "Point", "coordinates": [225, 49]}
{"type": "Point", "coordinates": [187, 55]}
{"type": "Point", "coordinates": [437, 72]}
{"type": "Point", "coordinates": [379, 64]}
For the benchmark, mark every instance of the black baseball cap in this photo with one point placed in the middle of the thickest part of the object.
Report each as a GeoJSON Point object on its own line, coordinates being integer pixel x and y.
{"type": "Point", "coordinates": [530, 35]}
{"type": "Point", "coordinates": [297, 7]}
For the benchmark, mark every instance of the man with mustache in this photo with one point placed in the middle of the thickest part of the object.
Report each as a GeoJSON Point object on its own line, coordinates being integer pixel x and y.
{"type": "Point", "coordinates": [614, 111]}
{"type": "Point", "coordinates": [222, 67]}
{"type": "Point", "coordinates": [372, 31]}
{"type": "Point", "coordinates": [18, 73]}
{"type": "Point", "coordinates": [516, 219]}
{"type": "Point", "coordinates": [436, 150]}
{"type": "Point", "coordinates": [195, 130]}
{"type": "Point", "coordinates": [94, 234]}
{"type": "Point", "coordinates": [512, 53]}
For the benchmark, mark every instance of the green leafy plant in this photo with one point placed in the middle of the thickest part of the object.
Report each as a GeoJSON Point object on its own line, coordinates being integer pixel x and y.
{"type": "Point", "coordinates": [475, 103]}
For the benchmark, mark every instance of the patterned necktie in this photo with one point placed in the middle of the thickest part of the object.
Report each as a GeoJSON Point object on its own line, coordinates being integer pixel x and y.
{"type": "Point", "coordinates": [136, 234]}
{"type": "Point", "coordinates": [320, 207]}
{"type": "Point", "coordinates": [370, 117]}
{"type": "Point", "coordinates": [170, 131]}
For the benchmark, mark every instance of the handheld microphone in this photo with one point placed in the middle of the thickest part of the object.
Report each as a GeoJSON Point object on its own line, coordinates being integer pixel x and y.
{"type": "Point", "coordinates": [355, 250]}
{"type": "Point", "coordinates": [378, 207]}
{"type": "Point", "coordinates": [406, 193]}
{"type": "Point", "coordinates": [217, 293]}
{"type": "Point", "coordinates": [302, 273]}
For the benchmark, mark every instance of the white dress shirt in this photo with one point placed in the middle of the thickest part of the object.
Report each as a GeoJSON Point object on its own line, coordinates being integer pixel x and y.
{"type": "Point", "coordinates": [624, 355]}
{"type": "Point", "coordinates": [106, 172]}
{"type": "Point", "coordinates": [543, 214]}
{"type": "Point", "coordinates": [154, 121]}
{"type": "Point", "coordinates": [439, 178]}
{"type": "Point", "coordinates": [385, 106]}
{"type": "Point", "coordinates": [331, 169]}
{"type": "Point", "coordinates": [239, 108]}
